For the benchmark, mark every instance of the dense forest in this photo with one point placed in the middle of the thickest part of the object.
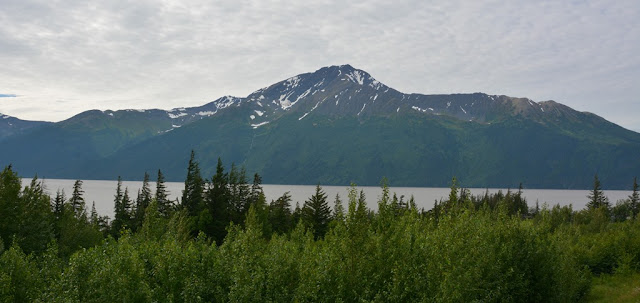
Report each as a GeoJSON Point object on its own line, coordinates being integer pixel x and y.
{"type": "Point", "coordinates": [222, 241]}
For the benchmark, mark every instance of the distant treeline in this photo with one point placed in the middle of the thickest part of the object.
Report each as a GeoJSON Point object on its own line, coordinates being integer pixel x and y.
{"type": "Point", "coordinates": [222, 241]}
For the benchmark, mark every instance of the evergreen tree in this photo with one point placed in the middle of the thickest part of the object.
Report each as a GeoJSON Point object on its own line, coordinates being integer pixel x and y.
{"type": "Point", "coordinates": [296, 216]}
{"type": "Point", "coordinates": [258, 201]}
{"type": "Point", "coordinates": [316, 212]}
{"type": "Point", "coordinates": [239, 194]}
{"type": "Point", "coordinates": [280, 214]}
{"type": "Point", "coordinates": [164, 206]}
{"type": "Point", "coordinates": [58, 211]}
{"type": "Point", "coordinates": [256, 189]}
{"type": "Point", "coordinates": [217, 201]}
{"type": "Point", "coordinates": [36, 219]}
{"type": "Point", "coordinates": [119, 210]}
{"type": "Point", "coordinates": [127, 205]}
{"type": "Point", "coordinates": [142, 202]}
{"type": "Point", "coordinates": [10, 185]}
{"type": "Point", "coordinates": [77, 201]}
{"type": "Point", "coordinates": [634, 198]}
{"type": "Point", "coordinates": [58, 204]}
{"type": "Point", "coordinates": [597, 199]}
{"type": "Point", "coordinates": [93, 218]}
{"type": "Point", "coordinates": [192, 195]}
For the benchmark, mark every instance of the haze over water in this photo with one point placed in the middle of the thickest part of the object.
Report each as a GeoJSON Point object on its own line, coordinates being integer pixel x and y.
{"type": "Point", "coordinates": [102, 192]}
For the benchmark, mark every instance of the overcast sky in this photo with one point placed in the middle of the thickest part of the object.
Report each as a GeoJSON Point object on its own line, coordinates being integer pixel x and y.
{"type": "Point", "coordinates": [58, 58]}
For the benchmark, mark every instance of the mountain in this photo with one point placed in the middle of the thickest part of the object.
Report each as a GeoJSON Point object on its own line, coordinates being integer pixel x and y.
{"type": "Point", "coordinates": [339, 125]}
{"type": "Point", "coordinates": [10, 126]}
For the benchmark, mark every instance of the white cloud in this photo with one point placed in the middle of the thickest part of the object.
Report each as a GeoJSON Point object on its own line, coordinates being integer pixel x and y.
{"type": "Point", "coordinates": [164, 54]}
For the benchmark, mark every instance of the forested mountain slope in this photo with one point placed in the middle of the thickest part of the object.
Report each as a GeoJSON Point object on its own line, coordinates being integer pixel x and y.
{"type": "Point", "coordinates": [339, 125]}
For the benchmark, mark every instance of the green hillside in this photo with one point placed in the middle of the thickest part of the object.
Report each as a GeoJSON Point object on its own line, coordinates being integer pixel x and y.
{"type": "Point", "coordinates": [339, 125]}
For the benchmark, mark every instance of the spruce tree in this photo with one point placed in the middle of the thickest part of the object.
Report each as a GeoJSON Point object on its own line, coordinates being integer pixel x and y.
{"type": "Point", "coordinates": [192, 195]}
{"type": "Point", "coordinates": [316, 212]}
{"type": "Point", "coordinates": [280, 214]}
{"type": "Point", "coordinates": [35, 220]}
{"type": "Point", "coordinates": [58, 212]}
{"type": "Point", "coordinates": [597, 199]}
{"type": "Point", "coordinates": [119, 210]}
{"type": "Point", "coordinates": [142, 202]}
{"type": "Point", "coordinates": [164, 206]}
{"type": "Point", "coordinates": [217, 201]}
{"type": "Point", "coordinates": [58, 204]}
{"type": "Point", "coordinates": [77, 201]}
{"type": "Point", "coordinates": [256, 188]}
{"type": "Point", "coordinates": [127, 205]}
{"type": "Point", "coordinates": [239, 194]}
{"type": "Point", "coordinates": [93, 218]}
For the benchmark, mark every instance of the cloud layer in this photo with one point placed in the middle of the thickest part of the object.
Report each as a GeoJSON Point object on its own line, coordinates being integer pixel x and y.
{"type": "Point", "coordinates": [64, 57]}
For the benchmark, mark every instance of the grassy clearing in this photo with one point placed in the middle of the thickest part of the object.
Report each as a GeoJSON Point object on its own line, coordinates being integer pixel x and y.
{"type": "Point", "coordinates": [615, 288]}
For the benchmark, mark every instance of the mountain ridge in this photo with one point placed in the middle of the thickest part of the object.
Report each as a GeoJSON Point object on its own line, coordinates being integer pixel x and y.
{"type": "Point", "coordinates": [349, 105]}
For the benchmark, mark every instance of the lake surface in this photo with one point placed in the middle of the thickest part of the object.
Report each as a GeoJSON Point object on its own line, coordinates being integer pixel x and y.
{"type": "Point", "coordinates": [102, 193]}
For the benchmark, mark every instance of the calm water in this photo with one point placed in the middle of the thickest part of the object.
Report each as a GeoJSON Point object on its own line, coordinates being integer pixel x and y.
{"type": "Point", "coordinates": [102, 193]}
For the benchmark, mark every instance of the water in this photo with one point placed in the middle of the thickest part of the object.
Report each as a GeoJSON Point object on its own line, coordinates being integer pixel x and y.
{"type": "Point", "coordinates": [102, 192]}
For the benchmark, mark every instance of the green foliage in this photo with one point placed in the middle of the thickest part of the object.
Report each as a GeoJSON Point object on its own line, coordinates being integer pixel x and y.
{"type": "Point", "coordinates": [477, 249]}
{"type": "Point", "coordinates": [20, 279]}
{"type": "Point", "coordinates": [634, 199]}
{"type": "Point", "coordinates": [111, 272]}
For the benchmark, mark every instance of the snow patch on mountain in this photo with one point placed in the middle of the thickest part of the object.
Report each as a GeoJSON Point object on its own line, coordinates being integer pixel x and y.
{"type": "Point", "coordinates": [206, 113]}
{"type": "Point", "coordinates": [175, 116]}
{"type": "Point", "coordinates": [313, 108]}
{"type": "Point", "coordinates": [292, 82]}
{"type": "Point", "coordinates": [422, 109]}
{"type": "Point", "coordinates": [226, 101]}
{"type": "Point", "coordinates": [363, 106]}
{"type": "Point", "coordinates": [356, 76]}
{"type": "Point", "coordinates": [376, 85]}
{"type": "Point", "coordinates": [259, 124]}
{"type": "Point", "coordinates": [301, 96]}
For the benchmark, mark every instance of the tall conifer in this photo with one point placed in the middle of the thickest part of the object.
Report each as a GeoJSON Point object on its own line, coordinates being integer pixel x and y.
{"type": "Point", "coordinates": [316, 212]}
{"type": "Point", "coordinates": [597, 199]}
{"type": "Point", "coordinates": [192, 195]}
{"type": "Point", "coordinates": [164, 205]}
